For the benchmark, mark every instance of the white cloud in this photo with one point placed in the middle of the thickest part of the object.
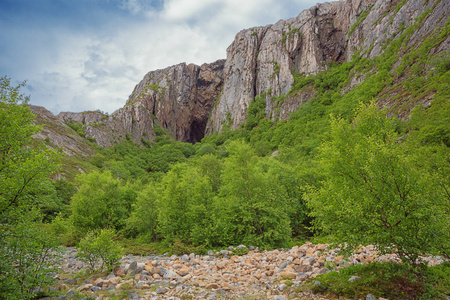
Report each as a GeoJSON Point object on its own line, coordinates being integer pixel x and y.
{"type": "Point", "coordinates": [74, 70]}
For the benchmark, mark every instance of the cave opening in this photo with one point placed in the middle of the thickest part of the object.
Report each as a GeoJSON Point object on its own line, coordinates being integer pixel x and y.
{"type": "Point", "coordinates": [197, 131]}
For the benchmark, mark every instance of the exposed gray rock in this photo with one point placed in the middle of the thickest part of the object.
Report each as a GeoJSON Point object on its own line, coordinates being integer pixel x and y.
{"type": "Point", "coordinates": [170, 274]}
{"type": "Point", "coordinates": [354, 278]}
{"type": "Point", "coordinates": [185, 257]}
{"type": "Point", "coordinates": [189, 101]}
{"type": "Point", "coordinates": [261, 60]}
{"type": "Point", "coordinates": [132, 267]}
{"type": "Point", "coordinates": [59, 134]}
{"type": "Point", "coordinates": [134, 296]}
{"type": "Point", "coordinates": [179, 99]}
{"type": "Point", "coordinates": [371, 297]}
{"type": "Point", "coordinates": [161, 290]}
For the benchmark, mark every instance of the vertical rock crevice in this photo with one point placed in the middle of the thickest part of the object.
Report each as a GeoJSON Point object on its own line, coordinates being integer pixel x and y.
{"type": "Point", "coordinates": [190, 101]}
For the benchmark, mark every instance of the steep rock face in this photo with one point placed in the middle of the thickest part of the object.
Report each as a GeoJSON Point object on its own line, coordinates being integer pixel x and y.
{"type": "Point", "coordinates": [190, 101]}
{"type": "Point", "coordinates": [179, 99]}
{"type": "Point", "coordinates": [262, 60]}
{"type": "Point", "coordinates": [132, 121]}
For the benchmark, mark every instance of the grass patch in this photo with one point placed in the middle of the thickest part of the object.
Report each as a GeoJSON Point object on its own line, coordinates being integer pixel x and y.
{"type": "Point", "coordinates": [136, 248]}
{"type": "Point", "coordinates": [387, 280]}
{"type": "Point", "coordinates": [241, 251]}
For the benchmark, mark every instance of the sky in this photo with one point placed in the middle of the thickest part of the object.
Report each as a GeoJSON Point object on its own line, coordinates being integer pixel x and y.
{"type": "Point", "coordinates": [79, 55]}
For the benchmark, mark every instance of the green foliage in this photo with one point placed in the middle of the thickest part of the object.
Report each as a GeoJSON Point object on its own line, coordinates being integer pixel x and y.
{"type": "Point", "coordinates": [254, 209]}
{"type": "Point", "coordinates": [140, 247]}
{"type": "Point", "coordinates": [143, 219]}
{"type": "Point", "coordinates": [164, 157]}
{"type": "Point", "coordinates": [262, 148]}
{"type": "Point", "coordinates": [156, 88]}
{"type": "Point", "coordinates": [374, 193]}
{"type": "Point", "coordinates": [203, 202]}
{"type": "Point", "coordinates": [256, 111]}
{"type": "Point", "coordinates": [361, 18]}
{"type": "Point", "coordinates": [26, 245]}
{"type": "Point", "coordinates": [300, 81]}
{"type": "Point", "coordinates": [179, 248]}
{"type": "Point", "coordinates": [387, 280]}
{"type": "Point", "coordinates": [205, 148]}
{"type": "Point", "coordinates": [30, 257]}
{"type": "Point", "coordinates": [159, 131]}
{"type": "Point", "coordinates": [99, 246]}
{"type": "Point", "coordinates": [78, 128]}
{"type": "Point", "coordinates": [51, 204]}
{"type": "Point", "coordinates": [101, 201]}
{"type": "Point", "coordinates": [185, 205]}
{"type": "Point", "coordinates": [240, 251]}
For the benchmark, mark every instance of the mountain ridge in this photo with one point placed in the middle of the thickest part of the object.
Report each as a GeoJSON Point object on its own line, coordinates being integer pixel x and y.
{"type": "Point", "coordinates": [191, 101]}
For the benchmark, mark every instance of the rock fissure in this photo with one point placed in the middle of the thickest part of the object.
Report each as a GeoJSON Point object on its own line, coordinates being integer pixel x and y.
{"type": "Point", "coordinates": [182, 98]}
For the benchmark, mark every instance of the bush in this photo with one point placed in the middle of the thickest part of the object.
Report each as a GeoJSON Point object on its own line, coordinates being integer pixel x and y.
{"type": "Point", "coordinates": [101, 201]}
{"type": "Point", "coordinates": [98, 247]}
{"type": "Point", "coordinates": [30, 257]}
{"type": "Point", "coordinates": [387, 280]}
{"type": "Point", "coordinates": [375, 194]}
{"type": "Point", "coordinates": [206, 148]}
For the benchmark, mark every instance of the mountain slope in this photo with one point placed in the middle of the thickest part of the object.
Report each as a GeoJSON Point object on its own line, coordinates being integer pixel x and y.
{"type": "Point", "coordinates": [270, 63]}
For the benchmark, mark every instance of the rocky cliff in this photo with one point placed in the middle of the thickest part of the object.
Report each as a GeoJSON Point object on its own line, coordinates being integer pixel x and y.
{"type": "Point", "coordinates": [190, 101]}
{"type": "Point", "coordinates": [181, 97]}
{"type": "Point", "coordinates": [264, 59]}
{"type": "Point", "coordinates": [178, 99]}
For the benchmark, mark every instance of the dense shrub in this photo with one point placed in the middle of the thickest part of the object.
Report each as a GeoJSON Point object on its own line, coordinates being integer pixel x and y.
{"type": "Point", "coordinates": [375, 194]}
{"type": "Point", "coordinates": [99, 248]}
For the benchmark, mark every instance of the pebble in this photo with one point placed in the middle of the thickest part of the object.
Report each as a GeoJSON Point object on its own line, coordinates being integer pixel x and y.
{"type": "Point", "coordinates": [264, 275]}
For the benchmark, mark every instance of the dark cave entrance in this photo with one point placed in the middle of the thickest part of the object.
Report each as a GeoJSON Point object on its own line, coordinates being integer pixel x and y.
{"type": "Point", "coordinates": [197, 131]}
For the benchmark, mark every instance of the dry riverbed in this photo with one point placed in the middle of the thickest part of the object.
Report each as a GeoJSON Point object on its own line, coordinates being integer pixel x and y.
{"type": "Point", "coordinates": [275, 274]}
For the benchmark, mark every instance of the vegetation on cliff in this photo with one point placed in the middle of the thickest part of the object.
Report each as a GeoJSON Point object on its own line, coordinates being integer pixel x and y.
{"type": "Point", "coordinates": [340, 170]}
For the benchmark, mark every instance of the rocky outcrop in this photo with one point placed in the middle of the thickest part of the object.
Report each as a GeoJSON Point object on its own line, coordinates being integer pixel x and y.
{"type": "Point", "coordinates": [56, 133]}
{"type": "Point", "coordinates": [179, 99]}
{"type": "Point", "coordinates": [130, 122]}
{"type": "Point", "coordinates": [262, 60]}
{"type": "Point", "coordinates": [189, 101]}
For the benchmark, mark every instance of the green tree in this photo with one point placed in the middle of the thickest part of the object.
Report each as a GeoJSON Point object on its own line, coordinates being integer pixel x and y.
{"type": "Point", "coordinates": [185, 205]}
{"type": "Point", "coordinates": [101, 201]}
{"type": "Point", "coordinates": [206, 148]}
{"type": "Point", "coordinates": [375, 194]}
{"type": "Point", "coordinates": [143, 220]}
{"type": "Point", "coordinates": [164, 156]}
{"type": "Point", "coordinates": [254, 208]}
{"type": "Point", "coordinates": [25, 167]}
